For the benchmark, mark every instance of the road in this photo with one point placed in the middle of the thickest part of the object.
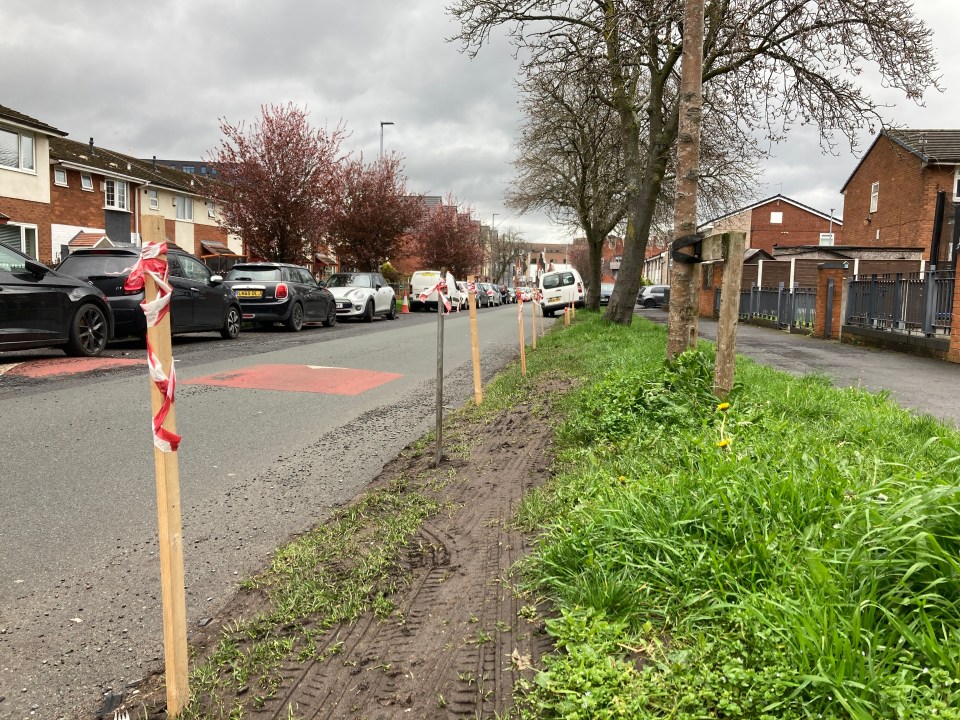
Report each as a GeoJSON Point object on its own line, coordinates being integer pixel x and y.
{"type": "Point", "coordinates": [80, 612]}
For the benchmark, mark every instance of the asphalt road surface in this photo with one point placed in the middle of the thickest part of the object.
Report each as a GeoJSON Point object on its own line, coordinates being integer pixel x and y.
{"type": "Point", "coordinates": [278, 429]}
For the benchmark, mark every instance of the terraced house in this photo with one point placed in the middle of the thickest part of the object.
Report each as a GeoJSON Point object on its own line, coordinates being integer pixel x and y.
{"type": "Point", "coordinates": [70, 194]}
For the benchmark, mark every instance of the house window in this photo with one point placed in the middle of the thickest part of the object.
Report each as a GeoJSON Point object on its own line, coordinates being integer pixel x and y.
{"type": "Point", "coordinates": [203, 169]}
{"type": "Point", "coordinates": [776, 218]}
{"type": "Point", "coordinates": [184, 207]}
{"type": "Point", "coordinates": [86, 181]}
{"type": "Point", "coordinates": [116, 194]}
{"type": "Point", "coordinates": [956, 184]}
{"type": "Point", "coordinates": [59, 176]}
{"type": "Point", "coordinates": [154, 198]}
{"type": "Point", "coordinates": [188, 168]}
{"type": "Point", "coordinates": [211, 210]}
{"type": "Point", "coordinates": [16, 150]}
{"type": "Point", "coordinates": [874, 196]}
{"type": "Point", "coordinates": [20, 237]}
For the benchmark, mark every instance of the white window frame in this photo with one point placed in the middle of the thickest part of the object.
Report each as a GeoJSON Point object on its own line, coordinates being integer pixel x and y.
{"type": "Point", "coordinates": [874, 197]}
{"type": "Point", "coordinates": [776, 217]}
{"type": "Point", "coordinates": [956, 184]}
{"type": "Point", "coordinates": [57, 172]}
{"type": "Point", "coordinates": [121, 198]}
{"type": "Point", "coordinates": [189, 169]}
{"type": "Point", "coordinates": [184, 207]}
{"type": "Point", "coordinates": [211, 210]}
{"type": "Point", "coordinates": [154, 198]}
{"type": "Point", "coordinates": [86, 182]}
{"type": "Point", "coordinates": [23, 243]}
{"type": "Point", "coordinates": [26, 144]}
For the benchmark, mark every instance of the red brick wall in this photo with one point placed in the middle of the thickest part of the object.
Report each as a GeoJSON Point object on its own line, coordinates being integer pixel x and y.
{"type": "Point", "coordinates": [31, 213]}
{"type": "Point", "coordinates": [906, 200]}
{"type": "Point", "coordinates": [799, 227]}
{"type": "Point", "coordinates": [72, 205]}
{"type": "Point", "coordinates": [820, 314]}
{"type": "Point", "coordinates": [710, 279]}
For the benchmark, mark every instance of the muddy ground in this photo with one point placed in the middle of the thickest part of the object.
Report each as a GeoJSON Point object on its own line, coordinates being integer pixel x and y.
{"type": "Point", "coordinates": [462, 635]}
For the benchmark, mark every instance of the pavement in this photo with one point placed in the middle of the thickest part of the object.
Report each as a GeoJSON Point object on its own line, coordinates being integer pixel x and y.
{"type": "Point", "coordinates": [923, 385]}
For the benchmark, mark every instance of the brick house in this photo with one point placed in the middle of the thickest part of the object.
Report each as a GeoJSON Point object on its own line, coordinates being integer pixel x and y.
{"type": "Point", "coordinates": [779, 221]}
{"type": "Point", "coordinates": [890, 198]}
{"type": "Point", "coordinates": [25, 182]}
{"type": "Point", "coordinates": [97, 190]}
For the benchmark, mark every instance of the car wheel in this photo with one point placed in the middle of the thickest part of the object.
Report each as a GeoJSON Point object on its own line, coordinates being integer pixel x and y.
{"type": "Point", "coordinates": [231, 324]}
{"type": "Point", "coordinates": [331, 316]}
{"type": "Point", "coordinates": [295, 321]}
{"type": "Point", "coordinates": [392, 313]}
{"type": "Point", "coordinates": [649, 303]}
{"type": "Point", "coordinates": [368, 312]}
{"type": "Point", "coordinates": [89, 332]}
{"type": "Point", "coordinates": [548, 313]}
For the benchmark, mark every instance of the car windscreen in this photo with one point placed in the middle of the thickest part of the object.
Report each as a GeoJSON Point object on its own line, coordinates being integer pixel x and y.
{"type": "Point", "coordinates": [252, 274]}
{"type": "Point", "coordinates": [551, 281]}
{"type": "Point", "coordinates": [92, 266]}
{"type": "Point", "coordinates": [344, 280]}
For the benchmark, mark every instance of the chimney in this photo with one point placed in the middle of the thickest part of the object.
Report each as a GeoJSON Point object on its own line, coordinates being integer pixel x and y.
{"type": "Point", "coordinates": [91, 146]}
{"type": "Point", "coordinates": [154, 162]}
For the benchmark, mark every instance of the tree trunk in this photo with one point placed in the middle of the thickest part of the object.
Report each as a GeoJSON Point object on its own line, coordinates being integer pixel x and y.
{"type": "Point", "coordinates": [684, 277]}
{"type": "Point", "coordinates": [593, 281]}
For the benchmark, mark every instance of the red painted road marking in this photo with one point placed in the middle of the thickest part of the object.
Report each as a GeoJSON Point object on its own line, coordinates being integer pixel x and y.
{"type": "Point", "coordinates": [299, 378]}
{"type": "Point", "coordinates": [68, 366]}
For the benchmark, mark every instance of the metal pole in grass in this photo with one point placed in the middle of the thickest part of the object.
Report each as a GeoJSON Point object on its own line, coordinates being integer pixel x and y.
{"type": "Point", "coordinates": [168, 501]}
{"type": "Point", "coordinates": [440, 311]}
{"type": "Point", "coordinates": [523, 356]}
{"type": "Point", "coordinates": [474, 339]}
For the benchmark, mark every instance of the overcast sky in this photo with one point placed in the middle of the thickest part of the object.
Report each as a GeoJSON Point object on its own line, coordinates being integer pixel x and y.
{"type": "Point", "coordinates": [154, 78]}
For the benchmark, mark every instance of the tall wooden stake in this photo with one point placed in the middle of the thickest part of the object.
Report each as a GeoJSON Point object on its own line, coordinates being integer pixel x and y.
{"type": "Point", "coordinates": [533, 323]}
{"type": "Point", "coordinates": [733, 247]}
{"type": "Point", "coordinates": [168, 516]}
{"type": "Point", "coordinates": [523, 343]}
{"type": "Point", "coordinates": [475, 343]}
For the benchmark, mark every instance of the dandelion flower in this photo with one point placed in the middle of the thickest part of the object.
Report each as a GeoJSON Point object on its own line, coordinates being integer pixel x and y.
{"type": "Point", "coordinates": [724, 442]}
{"type": "Point", "coordinates": [723, 406]}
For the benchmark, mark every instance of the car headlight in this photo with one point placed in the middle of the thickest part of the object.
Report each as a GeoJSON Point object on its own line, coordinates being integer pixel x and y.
{"type": "Point", "coordinates": [357, 293]}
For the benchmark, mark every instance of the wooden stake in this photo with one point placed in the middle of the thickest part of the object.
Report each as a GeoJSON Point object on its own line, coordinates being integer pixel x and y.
{"type": "Point", "coordinates": [733, 248]}
{"type": "Point", "coordinates": [168, 516]}
{"type": "Point", "coordinates": [475, 344]}
{"type": "Point", "coordinates": [533, 323]}
{"type": "Point", "coordinates": [566, 317]}
{"type": "Point", "coordinates": [523, 343]}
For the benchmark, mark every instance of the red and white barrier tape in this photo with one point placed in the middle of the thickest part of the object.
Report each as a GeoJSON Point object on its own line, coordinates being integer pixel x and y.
{"type": "Point", "coordinates": [152, 264]}
{"type": "Point", "coordinates": [439, 289]}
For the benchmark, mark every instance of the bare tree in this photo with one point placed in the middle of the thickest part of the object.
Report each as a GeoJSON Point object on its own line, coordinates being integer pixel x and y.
{"type": "Point", "coordinates": [769, 63]}
{"type": "Point", "coordinates": [505, 247]}
{"type": "Point", "coordinates": [569, 162]}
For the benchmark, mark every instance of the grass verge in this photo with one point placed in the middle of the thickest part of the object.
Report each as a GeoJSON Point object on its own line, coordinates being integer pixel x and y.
{"type": "Point", "coordinates": [793, 553]}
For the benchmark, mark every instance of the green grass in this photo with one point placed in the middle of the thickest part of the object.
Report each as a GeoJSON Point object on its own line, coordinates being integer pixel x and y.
{"type": "Point", "coordinates": [795, 555]}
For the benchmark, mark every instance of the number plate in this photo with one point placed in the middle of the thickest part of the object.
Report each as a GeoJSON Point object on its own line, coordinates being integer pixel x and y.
{"type": "Point", "coordinates": [554, 299]}
{"type": "Point", "coordinates": [250, 293]}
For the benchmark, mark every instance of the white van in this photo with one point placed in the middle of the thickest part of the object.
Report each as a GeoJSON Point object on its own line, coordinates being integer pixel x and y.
{"type": "Point", "coordinates": [424, 280]}
{"type": "Point", "coordinates": [560, 288]}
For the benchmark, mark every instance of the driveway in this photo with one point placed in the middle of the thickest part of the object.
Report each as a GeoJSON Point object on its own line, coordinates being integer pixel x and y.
{"type": "Point", "coordinates": [920, 384]}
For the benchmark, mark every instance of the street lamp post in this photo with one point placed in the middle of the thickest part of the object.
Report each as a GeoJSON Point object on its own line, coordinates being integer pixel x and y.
{"type": "Point", "coordinates": [382, 123]}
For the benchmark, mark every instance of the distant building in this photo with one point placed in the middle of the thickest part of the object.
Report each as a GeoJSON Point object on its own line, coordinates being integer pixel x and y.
{"type": "Point", "coordinates": [194, 167]}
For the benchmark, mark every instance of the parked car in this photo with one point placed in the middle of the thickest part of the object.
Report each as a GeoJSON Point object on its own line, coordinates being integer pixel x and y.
{"type": "Point", "coordinates": [560, 288]}
{"type": "Point", "coordinates": [272, 292]}
{"type": "Point", "coordinates": [200, 301]}
{"type": "Point", "coordinates": [363, 295]}
{"type": "Point", "coordinates": [491, 295]}
{"type": "Point", "coordinates": [424, 280]}
{"type": "Point", "coordinates": [41, 307]}
{"type": "Point", "coordinates": [606, 290]}
{"type": "Point", "coordinates": [652, 296]}
{"type": "Point", "coordinates": [484, 299]}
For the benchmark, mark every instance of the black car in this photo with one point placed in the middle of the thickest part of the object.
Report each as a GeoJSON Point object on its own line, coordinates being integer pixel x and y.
{"type": "Point", "coordinates": [40, 307]}
{"type": "Point", "coordinates": [272, 292]}
{"type": "Point", "coordinates": [200, 301]}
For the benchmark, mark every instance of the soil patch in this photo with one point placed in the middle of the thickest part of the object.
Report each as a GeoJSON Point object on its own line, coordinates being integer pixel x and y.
{"type": "Point", "coordinates": [461, 635]}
